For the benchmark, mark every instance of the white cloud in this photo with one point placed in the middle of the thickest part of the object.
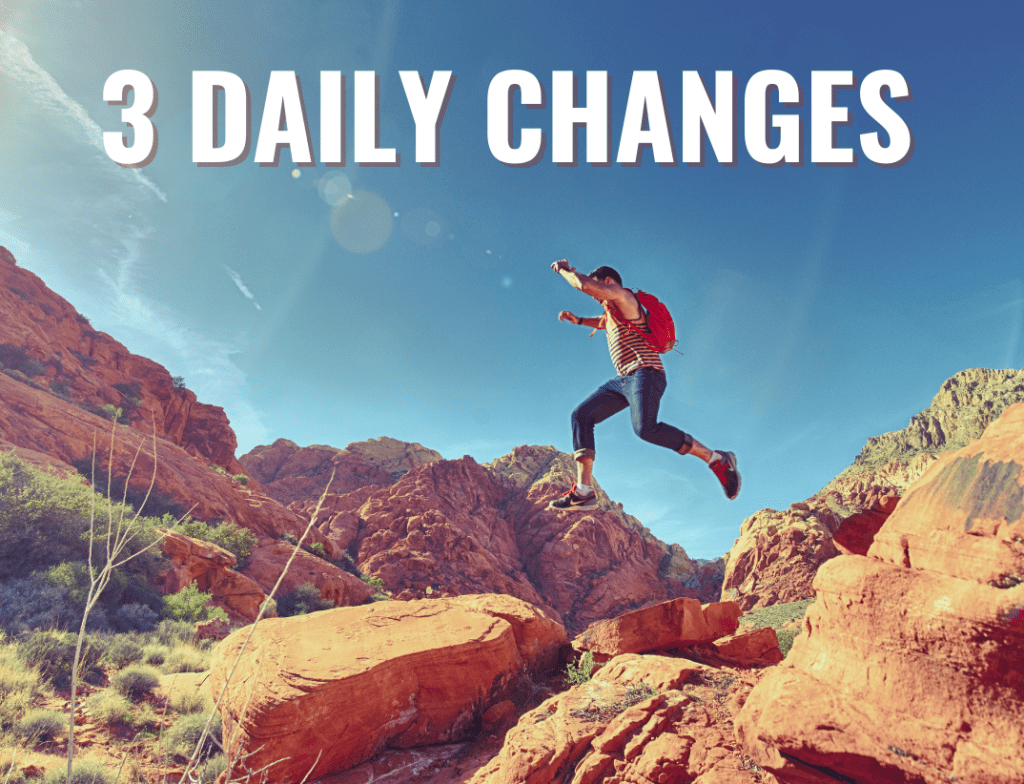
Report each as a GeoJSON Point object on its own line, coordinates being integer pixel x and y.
{"type": "Point", "coordinates": [16, 64]}
{"type": "Point", "coordinates": [242, 287]}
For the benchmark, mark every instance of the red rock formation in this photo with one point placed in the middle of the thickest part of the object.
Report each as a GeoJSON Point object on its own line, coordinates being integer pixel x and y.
{"type": "Point", "coordinates": [856, 533]}
{"type": "Point", "coordinates": [300, 474]}
{"type": "Point", "coordinates": [778, 553]}
{"type": "Point", "coordinates": [97, 370]}
{"type": "Point", "coordinates": [675, 624]}
{"type": "Point", "coordinates": [390, 674]}
{"type": "Point", "coordinates": [909, 668]}
{"type": "Point", "coordinates": [210, 568]}
{"type": "Point", "coordinates": [455, 527]}
{"type": "Point", "coordinates": [32, 419]}
{"type": "Point", "coordinates": [270, 557]}
{"type": "Point", "coordinates": [611, 730]}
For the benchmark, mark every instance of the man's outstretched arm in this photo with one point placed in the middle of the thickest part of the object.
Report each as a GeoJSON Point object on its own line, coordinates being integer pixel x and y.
{"type": "Point", "coordinates": [597, 322]}
{"type": "Point", "coordinates": [599, 290]}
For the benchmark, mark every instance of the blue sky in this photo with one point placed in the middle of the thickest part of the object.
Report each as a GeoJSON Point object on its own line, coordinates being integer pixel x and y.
{"type": "Point", "coordinates": [816, 305]}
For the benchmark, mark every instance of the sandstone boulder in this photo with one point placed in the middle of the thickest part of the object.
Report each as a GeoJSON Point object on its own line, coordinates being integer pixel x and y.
{"type": "Point", "coordinates": [675, 624]}
{"type": "Point", "coordinates": [909, 667]}
{"type": "Point", "coordinates": [210, 568]}
{"type": "Point", "coordinates": [856, 533]}
{"type": "Point", "coordinates": [324, 692]}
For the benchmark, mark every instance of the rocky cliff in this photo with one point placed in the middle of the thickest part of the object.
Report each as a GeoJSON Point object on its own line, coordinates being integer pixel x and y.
{"type": "Point", "coordinates": [909, 667]}
{"type": "Point", "coordinates": [779, 552]}
{"type": "Point", "coordinates": [452, 527]}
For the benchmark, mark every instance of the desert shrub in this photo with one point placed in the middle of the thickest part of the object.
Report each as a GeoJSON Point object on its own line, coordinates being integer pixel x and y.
{"type": "Point", "coordinates": [61, 389]}
{"type": "Point", "coordinates": [581, 671]}
{"type": "Point", "coordinates": [53, 654]}
{"type": "Point", "coordinates": [19, 685]}
{"type": "Point", "coordinates": [17, 358]}
{"type": "Point", "coordinates": [786, 638]}
{"type": "Point", "coordinates": [84, 770]}
{"type": "Point", "coordinates": [213, 767]}
{"type": "Point", "coordinates": [170, 632]}
{"type": "Point", "coordinates": [191, 605]}
{"type": "Point", "coordinates": [135, 681]}
{"type": "Point", "coordinates": [184, 734]}
{"type": "Point", "coordinates": [187, 701]}
{"type": "Point", "coordinates": [304, 599]}
{"type": "Point", "coordinates": [242, 479]}
{"type": "Point", "coordinates": [135, 617]}
{"type": "Point", "coordinates": [109, 707]}
{"type": "Point", "coordinates": [29, 603]}
{"type": "Point", "coordinates": [236, 540]}
{"type": "Point", "coordinates": [123, 651]}
{"type": "Point", "coordinates": [41, 725]}
{"type": "Point", "coordinates": [155, 653]}
{"type": "Point", "coordinates": [187, 658]}
{"type": "Point", "coordinates": [317, 549]}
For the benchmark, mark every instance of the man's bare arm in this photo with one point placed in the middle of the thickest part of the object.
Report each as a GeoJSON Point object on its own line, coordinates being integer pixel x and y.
{"type": "Point", "coordinates": [597, 322]}
{"type": "Point", "coordinates": [597, 289]}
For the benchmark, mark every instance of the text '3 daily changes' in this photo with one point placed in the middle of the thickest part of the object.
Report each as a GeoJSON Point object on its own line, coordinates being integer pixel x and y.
{"type": "Point", "coordinates": [525, 123]}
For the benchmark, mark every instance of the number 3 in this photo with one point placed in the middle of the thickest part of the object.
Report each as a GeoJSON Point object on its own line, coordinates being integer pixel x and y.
{"type": "Point", "coordinates": [115, 92]}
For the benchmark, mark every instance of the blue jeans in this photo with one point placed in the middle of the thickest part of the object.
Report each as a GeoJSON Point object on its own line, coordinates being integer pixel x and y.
{"type": "Point", "coordinates": [641, 392]}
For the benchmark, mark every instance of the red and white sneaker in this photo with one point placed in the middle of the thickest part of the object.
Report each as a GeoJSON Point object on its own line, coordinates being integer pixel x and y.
{"type": "Point", "coordinates": [573, 502]}
{"type": "Point", "coordinates": [724, 467]}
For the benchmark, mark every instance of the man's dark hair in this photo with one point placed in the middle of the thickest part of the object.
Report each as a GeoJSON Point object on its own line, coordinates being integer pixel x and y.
{"type": "Point", "coordinates": [606, 272]}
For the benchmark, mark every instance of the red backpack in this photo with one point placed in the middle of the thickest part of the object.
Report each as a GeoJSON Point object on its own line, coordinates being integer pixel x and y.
{"type": "Point", "coordinates": [662, 337]}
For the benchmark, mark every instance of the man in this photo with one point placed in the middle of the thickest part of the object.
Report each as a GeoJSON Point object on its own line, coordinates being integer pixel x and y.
{"type": "Point", "coordinates": [639, 385]}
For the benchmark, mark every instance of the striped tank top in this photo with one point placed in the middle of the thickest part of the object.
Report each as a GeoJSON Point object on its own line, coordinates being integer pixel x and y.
{"type": "Point", "coordinates": [629, 351]}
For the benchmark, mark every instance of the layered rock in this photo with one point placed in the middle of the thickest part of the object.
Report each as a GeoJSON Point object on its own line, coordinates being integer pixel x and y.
{"type": "Point", "coordinates": [326, 691]}
{"type": "Point", "coordinates": [291, 473]}
{"type": "Point", "coordinates": [909, 668]}
{"type": "Point", "coordinates": [34, 422]}
{"type": "Point", "coordinates": [778, 552]}
{"type": "Point", "coordinates": [270, 559]}
{"type": "Point", "coordinates": [92, 369]}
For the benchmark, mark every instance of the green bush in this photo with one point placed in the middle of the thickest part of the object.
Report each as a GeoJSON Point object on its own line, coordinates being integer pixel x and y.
{"type": "Point", "coordinates": [304, 599]}
{"type": "Point", "coordinates": [183, 736]}
{"type": "Point", "coordinates": [123, 651]}
{"type": "Point", "coordinates": [191, 605]}
{"type": "Point", "coordinates": [170, 632]}
{"type": "Point", "coordinates": [581, 671]}
{"type": "Point", "coordinates": [236, 540]}
{"type": "Point", "coordinates": [83, 771]}
{"type": "Point", "coordinates": [786, 638]}
{"type": "Point", "coordinates": [19, 685]}
{"type": "Point", "coordinates": [109, 707]}
{"type": "Point", "coordinates": [41, 726]}
{"type": "Point", "coordinates": [136, 681]}
{"type": "Point", "coordinates": [53, 654]}
{"type": "Point", "coordinates": [186, 658]}
{"type": "Point", "coordinates": [155, 653]}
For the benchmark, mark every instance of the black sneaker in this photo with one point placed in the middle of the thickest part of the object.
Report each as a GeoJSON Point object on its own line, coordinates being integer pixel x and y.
{"type": "Point", "coordinates": [725, 469]}
{"type": "Point", "coordinates": [573, 502]}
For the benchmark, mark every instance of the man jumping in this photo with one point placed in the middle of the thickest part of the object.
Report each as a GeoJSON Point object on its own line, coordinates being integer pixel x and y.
{"type": "Point", "coordinates": [639, 385]}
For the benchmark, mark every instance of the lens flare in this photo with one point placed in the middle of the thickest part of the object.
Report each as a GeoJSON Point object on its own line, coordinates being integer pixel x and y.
{"type": "Point", "coordinates": [362, 222]}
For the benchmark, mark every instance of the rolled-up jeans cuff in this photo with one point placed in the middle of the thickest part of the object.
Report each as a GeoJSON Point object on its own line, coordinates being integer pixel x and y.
{"type": "Point", "coordinates": [687, 444]}
{"type": "Point", "coordinates": [579, 454]}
